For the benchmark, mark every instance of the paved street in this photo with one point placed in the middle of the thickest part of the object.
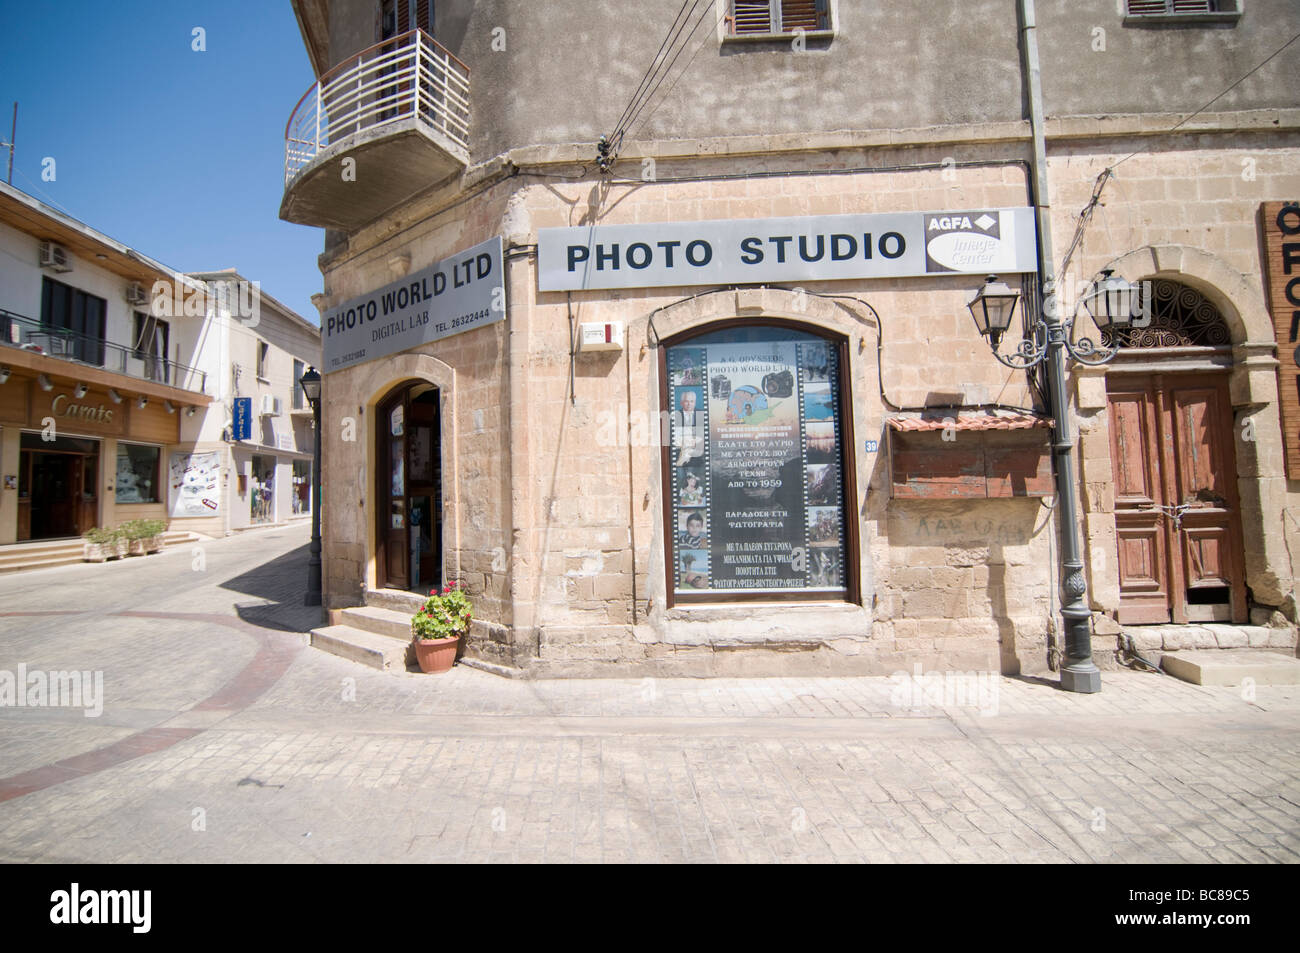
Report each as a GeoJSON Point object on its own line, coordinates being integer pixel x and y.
{"type": "Point", "coordinates": [223, 738]}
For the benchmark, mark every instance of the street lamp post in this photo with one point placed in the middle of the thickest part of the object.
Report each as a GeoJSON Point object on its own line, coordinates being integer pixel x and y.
{"type": "Point", "coordinates": [310, 383]}
{"type": "Point", "coordinates": [1112, 303]}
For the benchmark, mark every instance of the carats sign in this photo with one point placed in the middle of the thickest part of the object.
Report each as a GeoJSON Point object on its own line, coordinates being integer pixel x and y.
{"type": "Point", "coordinates": [820, 248]}
{"type": "Point", "coordinates": [457, 294]}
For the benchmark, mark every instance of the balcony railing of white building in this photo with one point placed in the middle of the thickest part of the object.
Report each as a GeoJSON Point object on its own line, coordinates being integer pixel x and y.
{"type": "Point", "coordinates": [409, 76]}
{"type": "Point", "coordinates": [26, 334]}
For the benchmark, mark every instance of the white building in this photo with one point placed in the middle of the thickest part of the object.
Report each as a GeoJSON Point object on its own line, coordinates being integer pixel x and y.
{"type": "Point", "coordinates": [119, 380]}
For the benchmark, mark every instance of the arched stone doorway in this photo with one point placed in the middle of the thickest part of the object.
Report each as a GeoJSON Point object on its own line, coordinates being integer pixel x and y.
{"type": "Point", "coordinates": [408, 492]}
{"type": "Point", "coordinates": [1177, 510]}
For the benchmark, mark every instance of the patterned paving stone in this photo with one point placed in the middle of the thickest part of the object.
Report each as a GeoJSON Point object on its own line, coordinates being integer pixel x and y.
{"type": "Point", "coordinates": [222, 739]}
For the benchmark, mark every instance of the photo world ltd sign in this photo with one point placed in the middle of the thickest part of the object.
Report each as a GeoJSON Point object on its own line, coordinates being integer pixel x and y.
{"type": "Point", "coordinates": [813, 248]}
{"type": "Point", "coordinates": [457, 294]}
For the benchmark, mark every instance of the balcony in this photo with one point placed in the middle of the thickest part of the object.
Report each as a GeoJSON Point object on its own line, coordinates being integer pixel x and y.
{"type": "Point", "coordinates": [399, 110]}
{"type": "Point", "coordinates": [25, 334]}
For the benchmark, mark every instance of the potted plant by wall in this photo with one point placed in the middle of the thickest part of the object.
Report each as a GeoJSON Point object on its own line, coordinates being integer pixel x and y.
{"type": "Point", "coordinates": [100, 544]}
{"type": "Point", "coordinates": [134, 540]}
{"type": "Point", "coordinates": [144, 536]}
{"type": "Point", "coordinates": [153, 542]}
{"type": "Point", "coordinates": [438, 626]}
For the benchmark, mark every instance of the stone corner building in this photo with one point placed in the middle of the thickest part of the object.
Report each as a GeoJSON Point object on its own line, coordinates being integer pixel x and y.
{"type": "Point", "coordinates": [721, 408]}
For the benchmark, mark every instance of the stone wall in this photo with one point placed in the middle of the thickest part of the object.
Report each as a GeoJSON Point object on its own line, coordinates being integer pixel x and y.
{"type": "Point", "coordinates": [555, 519]}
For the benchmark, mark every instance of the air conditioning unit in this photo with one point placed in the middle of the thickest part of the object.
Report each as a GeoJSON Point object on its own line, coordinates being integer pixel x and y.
{"type": "Point", "coordinates": [272, 406]}
{"type": "Point", "coordinates": [55, 257]}
{"type": "Point", "coordinates": [136, 296]}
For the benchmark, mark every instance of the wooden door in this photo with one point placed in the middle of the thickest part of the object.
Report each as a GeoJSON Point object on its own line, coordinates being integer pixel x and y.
{"type": "Point", "coordinates": [392, 510]}
{"type": "Point", "coordinates": [1177, 517]}
{"type": "Point", "coordinates": [87, 492]}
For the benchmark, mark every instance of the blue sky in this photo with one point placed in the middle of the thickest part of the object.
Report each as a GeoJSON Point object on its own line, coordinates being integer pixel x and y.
{"type": "Point", "coordinates": [176, 153]}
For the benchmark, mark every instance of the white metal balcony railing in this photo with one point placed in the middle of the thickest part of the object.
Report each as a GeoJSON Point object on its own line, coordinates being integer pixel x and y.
{"type": "Point", "coordinates": [65, 344]}
{"type": "Point", "coordinates": [408, 76]}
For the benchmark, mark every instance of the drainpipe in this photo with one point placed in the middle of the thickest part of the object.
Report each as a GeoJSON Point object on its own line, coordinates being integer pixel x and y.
{"type": "Point", "coordinates": [1078, 673]}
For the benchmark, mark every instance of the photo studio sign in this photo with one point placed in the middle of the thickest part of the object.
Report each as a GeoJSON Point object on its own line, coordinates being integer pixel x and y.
{"type": "Point", "coordinates": [817, 248]}
{"type": "Point", "coordinates": [457, 294]}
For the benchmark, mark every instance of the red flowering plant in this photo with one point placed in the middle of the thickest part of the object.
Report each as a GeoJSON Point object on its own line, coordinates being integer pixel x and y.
{"type": "Point", "coordinates": [444, 615]}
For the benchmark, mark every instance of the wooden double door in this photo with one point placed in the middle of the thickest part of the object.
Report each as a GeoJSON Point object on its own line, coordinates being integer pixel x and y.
{"type": "Point", "coordinates": [1177, 513]}
{"type": "Point", "coordinates": [409, 456]}
{"type": "Point", "coordinates": [60, 500]}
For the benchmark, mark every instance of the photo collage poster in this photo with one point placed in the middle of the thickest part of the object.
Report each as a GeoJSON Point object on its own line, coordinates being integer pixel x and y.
{"type": "Point", "coordinates": [756, 475]}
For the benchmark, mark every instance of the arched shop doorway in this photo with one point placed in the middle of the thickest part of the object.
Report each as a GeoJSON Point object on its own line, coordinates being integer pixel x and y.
{"type": "Point", "coordinates": [408, 456]}
{"type": "Point", "coordinates": [1177, 508]}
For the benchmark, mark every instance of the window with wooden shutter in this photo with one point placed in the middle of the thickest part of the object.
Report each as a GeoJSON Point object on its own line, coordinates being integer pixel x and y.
{"type": "Point", "coordinates": [751, 16]}
{"type": "Point", "coordinates": [755, 18]}
{"type": "Point", "coordinates": [801, 15]}
{"type": "Point", "coordinates": [1192, 10]}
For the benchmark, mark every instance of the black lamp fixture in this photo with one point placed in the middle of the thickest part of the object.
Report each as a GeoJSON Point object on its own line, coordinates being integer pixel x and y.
{"type": "Point", "coordinates": [80, 392]}
{"type": "Point", "coordinates": [143, 402]}
{"type": "Point", "coordinates": [992, 308]}
{"type": "Point", "coordinates": [310, 383]}
{"type": "Point", "coordinates": [1112, 302]}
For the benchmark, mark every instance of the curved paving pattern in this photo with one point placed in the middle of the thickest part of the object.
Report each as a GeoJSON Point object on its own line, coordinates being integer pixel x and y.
{"type": "Point", "coordinates": [273, 753]}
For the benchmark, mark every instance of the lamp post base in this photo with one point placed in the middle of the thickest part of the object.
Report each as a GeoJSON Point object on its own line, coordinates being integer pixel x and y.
{"type": "Point", "coordinates": [1084, 678]}
{"type": "Point", "coordinates": [313, 597]}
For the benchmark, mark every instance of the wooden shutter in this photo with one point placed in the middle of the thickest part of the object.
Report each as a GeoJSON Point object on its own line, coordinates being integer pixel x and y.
{"type": "Point", "coordinates": [1165, 7]}
{"type": "Point", "coordinates": [413, 15]}
{"type": "Point", "coordinates": [424, 15]}
{"type": "Point", "coordinates": [751, 16]}
{"type": "Point", "coordinates": [802, 14]}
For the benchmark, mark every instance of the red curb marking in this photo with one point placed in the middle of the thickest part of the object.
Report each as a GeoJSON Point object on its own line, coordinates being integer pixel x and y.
{"type": "Point", "coordinates": [252, 681]}
{"type": "Point", "coordinates": [50, 612]}
{"type": "Point", "coordinates": [265, 669]}
{"type": "Point", "coordinates": [79, 766]}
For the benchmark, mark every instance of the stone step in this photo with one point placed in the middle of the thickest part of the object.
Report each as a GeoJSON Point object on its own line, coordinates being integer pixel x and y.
{"type": "Point", "coordinates": [369, 648]}
{"type": "Point", "coordinates": [386, 622]}
{"type": "Point", "coordinates": [64, 552]}
{"type": "Point", "coordinates": [45, 562]}
{"type": "Point", "coordinates": [1208, 635]}
{"type": "Point", "coordinates": [396, 599]}
{"type": "Point", "coordinates": [1231, 666]}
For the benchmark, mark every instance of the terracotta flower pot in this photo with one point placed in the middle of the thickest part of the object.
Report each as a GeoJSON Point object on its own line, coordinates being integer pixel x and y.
{"type": "Point", "coordinates": [436, 655]}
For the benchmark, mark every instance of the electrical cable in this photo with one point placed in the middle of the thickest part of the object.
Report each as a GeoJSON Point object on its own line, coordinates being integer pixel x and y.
{"type": "Point", "coordinates": [1253, 71]}
{"type": "Point", "coordinates": [876, 322]}
{"type": "Point", "coordinates": [686, 69]}
{"type": "Point", "coordinates": [1107, 173]}
{"type": "Point", "coordinates": [680, 50]}
{"type": "Point", "coordinates": [640, 86]}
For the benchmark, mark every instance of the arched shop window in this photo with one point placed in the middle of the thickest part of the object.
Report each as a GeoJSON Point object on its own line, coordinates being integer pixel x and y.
{"type": "Point", "coordinates": [757, 490]}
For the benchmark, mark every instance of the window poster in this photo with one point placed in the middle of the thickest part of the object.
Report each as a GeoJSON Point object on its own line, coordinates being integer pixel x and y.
{"type": "Point", "coordinates": [756, 475]}
{"type": "Point", "coordinates": [193, 478]}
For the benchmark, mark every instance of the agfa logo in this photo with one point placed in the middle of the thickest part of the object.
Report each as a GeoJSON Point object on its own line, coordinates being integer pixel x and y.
{"type": "Point", "coordinates": [960, 242]}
